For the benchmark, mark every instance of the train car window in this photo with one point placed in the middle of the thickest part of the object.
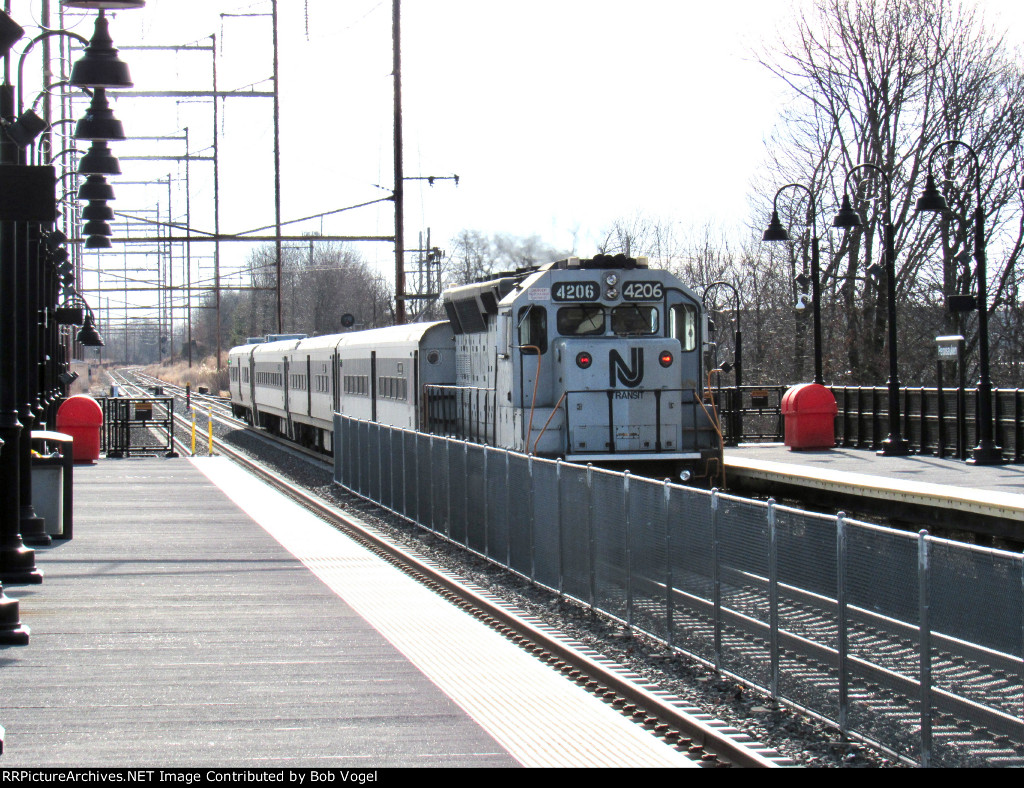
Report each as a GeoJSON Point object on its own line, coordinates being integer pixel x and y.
{"type": "Point", "coordinates": [634, 320]}
{"type": "Point", "coordinates": [683, 325]}
{"type": "Point", "coordinates": [581, 320]}
{"type": "Point", "coordinates": [533, 329]}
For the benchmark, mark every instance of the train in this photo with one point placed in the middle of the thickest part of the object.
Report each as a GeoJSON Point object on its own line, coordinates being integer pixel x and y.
{"type": "Point", "coordinates": [597, 360]}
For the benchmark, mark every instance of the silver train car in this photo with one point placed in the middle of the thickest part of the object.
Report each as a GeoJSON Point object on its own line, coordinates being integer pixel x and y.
{"type": "Point", "coordinates": [594, 360]}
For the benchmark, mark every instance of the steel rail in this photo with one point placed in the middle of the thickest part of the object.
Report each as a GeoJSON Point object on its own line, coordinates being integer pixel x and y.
{"type": "Point", "coordinates": [725, 743]}
{"type": "Point", "coordinates": [710, 741]}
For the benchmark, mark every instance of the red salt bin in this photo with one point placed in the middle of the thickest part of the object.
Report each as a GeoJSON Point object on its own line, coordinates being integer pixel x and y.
{"type": "Point", "coordinates": [809, 411]}
{"type": "Point", "coordinates": [81, 417]}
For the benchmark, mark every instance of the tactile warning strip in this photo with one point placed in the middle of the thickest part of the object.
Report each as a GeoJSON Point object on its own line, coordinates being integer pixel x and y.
{"type": "Point", "coordinates": [542, 719]}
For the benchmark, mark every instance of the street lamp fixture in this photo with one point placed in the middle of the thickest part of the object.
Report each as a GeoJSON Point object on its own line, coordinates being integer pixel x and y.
{"type": "Point", "coordinates": [99, 66]}
{"type": "Point", "coordinates": [105, 5]}
{"type": "Point", "coordinates": [87, 334]}
{"type": "Point", "coordinates": [26, 128]}
{"type": "Point", "coordinates": [95, 188]}
{"type": "Point", "coordinates": [776, 232]}
{"type": "Point", "coordinates": [894, 445]}
{"type": "Point", "coordinates": [932, 201]}
{"type": "Point", "coordinates": [99, 160]}
{"type": "Point", "coordinates": [97, 242]}
{"type": "Point", "coordinates": [98, 211]}
{"type": "Point", "coordinates": [99, 122]}
{"type": "Point", "coordinates": [10, 33]}
{"type": "Point", "coordinates": [737, 426]}
{"type": "Point", "coordinates": [97, 228]}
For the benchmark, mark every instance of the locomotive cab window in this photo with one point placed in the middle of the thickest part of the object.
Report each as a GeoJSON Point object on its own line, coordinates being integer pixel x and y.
{"type": "Point", "coordinates": [533, 329]}
{"type": "Point", "coordinates": [581, 320]}
{"type": "Point", "coordinates": [634, 320]}
{"type": "Point", "coordinates": [683, 325]}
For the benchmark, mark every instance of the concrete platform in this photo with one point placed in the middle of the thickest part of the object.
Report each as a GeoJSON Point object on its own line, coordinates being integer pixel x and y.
{"type": "Point", "coordinates": [987, 498]}
{"type": "Point", "coordinates": [176, 629]}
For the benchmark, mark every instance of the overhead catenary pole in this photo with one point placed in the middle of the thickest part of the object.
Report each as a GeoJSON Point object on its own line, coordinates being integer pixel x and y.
{"type": "Point", "coordinates": [277, 167]}
{"type": "Point", "coordinates": [216, 201]}
{"type": "Point", "coordinates": [188, 246]}
{"type": "Point", "coordinates": [396, 45]}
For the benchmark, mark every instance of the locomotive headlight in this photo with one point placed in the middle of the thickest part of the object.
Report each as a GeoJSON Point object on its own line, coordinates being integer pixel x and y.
{"type": "Point", "coordinates": [584, 360]}
{"type": "Point", "coordinates": [665, 358]}
{"type": "Point", "coordinates": [611, 280]}
{"type": "Point", "coordinates": [611, 294]}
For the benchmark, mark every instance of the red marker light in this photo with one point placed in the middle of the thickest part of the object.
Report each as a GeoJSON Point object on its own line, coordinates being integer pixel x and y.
{"type": "Point", "coordinates": [584, 360]}
{"type": "Point", "coordinates": [665, 358]}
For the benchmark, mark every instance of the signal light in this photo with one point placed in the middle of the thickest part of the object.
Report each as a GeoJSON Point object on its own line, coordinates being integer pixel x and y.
{"type": "Point", "coordinates": [665, 358]}
{"type": "Point", "coordinates": [584, 360]}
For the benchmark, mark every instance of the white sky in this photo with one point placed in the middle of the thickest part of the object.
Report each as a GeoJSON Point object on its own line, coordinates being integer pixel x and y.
{"type": "Point", "coordinates": [558, 115]}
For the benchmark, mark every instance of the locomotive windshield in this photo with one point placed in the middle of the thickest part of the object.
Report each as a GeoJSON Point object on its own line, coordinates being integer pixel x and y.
{"type": "Point", "coordinates": [634, 320]}
{"type": "Point", "coordinates": [581, 320]}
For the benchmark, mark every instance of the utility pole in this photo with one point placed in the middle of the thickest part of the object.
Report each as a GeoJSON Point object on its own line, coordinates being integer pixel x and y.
{"type": "Point", "coordinates": [396, 46]}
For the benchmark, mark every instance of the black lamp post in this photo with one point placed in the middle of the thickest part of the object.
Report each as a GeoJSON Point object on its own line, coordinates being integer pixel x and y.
{"type": "Point", "coordinates": [895, 445]}
{"type": "Point", "coordinates": [986, 452]}
{"type": "Point", "coordinates": [776, 232]}
{"type": "Point", "coordinates": [737, 414]}
{"type": "Point", "coordinates": [27, 205]}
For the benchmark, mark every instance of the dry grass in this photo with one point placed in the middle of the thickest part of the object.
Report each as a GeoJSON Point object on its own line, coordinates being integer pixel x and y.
{"type": "Point", "coordinates": [202, 374]}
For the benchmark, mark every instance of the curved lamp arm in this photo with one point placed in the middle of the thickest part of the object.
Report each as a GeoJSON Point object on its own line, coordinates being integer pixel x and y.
{"type": "Point", "coordinates": [42, 36]}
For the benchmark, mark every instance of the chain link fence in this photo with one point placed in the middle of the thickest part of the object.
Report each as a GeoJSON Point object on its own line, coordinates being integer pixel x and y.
{"type": "Point", "coordinates": [904, 640]}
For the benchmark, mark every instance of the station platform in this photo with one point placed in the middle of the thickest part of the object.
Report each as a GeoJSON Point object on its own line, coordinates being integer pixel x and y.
{"type": "Point", "coordinates": [987, 499]}
{"type": "Point", "coordinates": [199, 618]}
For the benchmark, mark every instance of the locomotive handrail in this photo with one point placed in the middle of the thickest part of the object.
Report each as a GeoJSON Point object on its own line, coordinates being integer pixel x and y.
{"type": "Point", "coordinates": [554, 410]}
{"type": "Point", "coordinates": [536, 382]}
{"type": "Point", "coordinates": [714, 421]}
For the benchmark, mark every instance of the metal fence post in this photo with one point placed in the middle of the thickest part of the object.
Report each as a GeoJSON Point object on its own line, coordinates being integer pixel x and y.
{"type": "Point", "coordinates": [924, 628]}
{"type": "Point", "coordinates": [629, 550]}
{"type": "Point", "coordinates": [591, 564]}
{"type": "Point", "coordinates": [773, 600]}
{"type": "Point", "coordinates": [841, 623]}
{"type": "Point", "coordinates": [533, 520]}
{"type": "Point", "coordinates": [669, 579]}
{"type": "Point", "coordinates": [508, 513]}
{"type": "Point", "coordinates": [716, 587]}
{"type": "Point", "coordinates": [430, 486]}
{"type": "Point", "coordinates": [558, 519]}
{"type": "Point", "coordinates": [465, 493]}
{"type": "Point", "coordinates": [334, 444]}
{"type": "Point", "coordinates": [361, 454]}
{"type": "Point", "coordinates": [487, 512]}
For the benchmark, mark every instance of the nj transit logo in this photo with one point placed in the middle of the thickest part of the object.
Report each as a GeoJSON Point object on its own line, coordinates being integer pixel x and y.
{"type": "Point", "coordinates": [629, 375]}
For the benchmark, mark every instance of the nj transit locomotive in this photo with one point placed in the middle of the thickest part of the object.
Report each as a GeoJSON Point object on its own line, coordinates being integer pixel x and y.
{"type": "Point", "coordinates": [594, 360]}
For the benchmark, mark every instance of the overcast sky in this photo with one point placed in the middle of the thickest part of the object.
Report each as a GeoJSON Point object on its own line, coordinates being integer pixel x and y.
{"type": "Point", "coordinates": [559, 116]}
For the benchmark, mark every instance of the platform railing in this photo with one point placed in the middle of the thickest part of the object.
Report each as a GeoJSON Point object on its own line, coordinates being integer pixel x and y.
{"type": "Point", "coordinates": [935, 422]}
{"type": "Point", "coordinates": [137, 425]}
{"type": "Point", "coordinates": [876, 630]}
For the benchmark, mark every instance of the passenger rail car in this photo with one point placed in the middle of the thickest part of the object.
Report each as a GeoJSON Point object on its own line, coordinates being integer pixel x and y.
{"type": "Point", "coordinates": [595, 360]}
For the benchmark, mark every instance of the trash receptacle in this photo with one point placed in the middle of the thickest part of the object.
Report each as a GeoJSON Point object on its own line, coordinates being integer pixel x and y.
{"type": "Point", "coordinates": [81, 417]}
{"type": "Point", "coordinates": [44, 443]}
{"type": "Point", "coordinates": [809, 411]}
{"type": "Point", "coordinates": [48, 492]}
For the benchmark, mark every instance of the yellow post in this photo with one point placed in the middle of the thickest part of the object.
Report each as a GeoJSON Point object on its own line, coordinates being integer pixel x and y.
{"type": "Point", "coordinates": [210, 427]}
{"type": "Point", "coordinates": [193, 432]}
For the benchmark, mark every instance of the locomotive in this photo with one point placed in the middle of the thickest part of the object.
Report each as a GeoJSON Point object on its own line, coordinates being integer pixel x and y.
{"type": "Point", "coordinates": [591, 360]}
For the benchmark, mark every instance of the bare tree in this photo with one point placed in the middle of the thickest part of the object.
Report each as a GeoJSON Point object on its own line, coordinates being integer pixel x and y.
{"type": "Point", "coordinates": [883, 82]}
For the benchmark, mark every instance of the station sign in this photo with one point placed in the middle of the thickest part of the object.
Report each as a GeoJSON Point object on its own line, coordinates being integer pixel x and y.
{"type": "Point", "coordinates": [949, 347]}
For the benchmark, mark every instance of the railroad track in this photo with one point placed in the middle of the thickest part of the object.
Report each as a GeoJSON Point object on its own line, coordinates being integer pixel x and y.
{"type": "Point", "coordinates": [976, 695]}
{"type": "Point", "coordinates": [705, 740]}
